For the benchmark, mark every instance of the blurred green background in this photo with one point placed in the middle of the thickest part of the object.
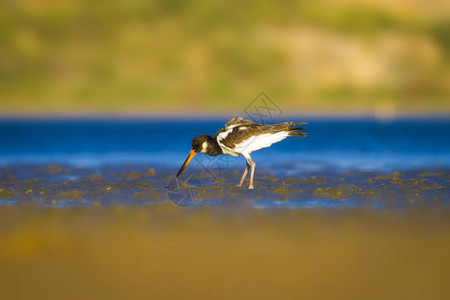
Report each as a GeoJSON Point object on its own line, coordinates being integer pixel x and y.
{"type": "Point", "coordinates": [174, 57]}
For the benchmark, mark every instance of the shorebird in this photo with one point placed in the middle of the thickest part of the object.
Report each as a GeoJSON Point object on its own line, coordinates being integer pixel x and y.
{"type": "Point", "coordinates": [242, 137]}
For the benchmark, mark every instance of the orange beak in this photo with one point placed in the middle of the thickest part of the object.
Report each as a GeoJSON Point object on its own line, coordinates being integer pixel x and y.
{"type": "Point", "coordinates": [186, 162]}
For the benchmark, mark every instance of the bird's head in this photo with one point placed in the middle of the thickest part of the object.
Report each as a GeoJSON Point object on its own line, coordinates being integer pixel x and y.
{"type": "Point", "coordinates": [200, 144]}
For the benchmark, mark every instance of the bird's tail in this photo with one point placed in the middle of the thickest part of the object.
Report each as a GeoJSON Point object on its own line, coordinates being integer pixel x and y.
{"type": "Point", "coordinates": [293, 129]}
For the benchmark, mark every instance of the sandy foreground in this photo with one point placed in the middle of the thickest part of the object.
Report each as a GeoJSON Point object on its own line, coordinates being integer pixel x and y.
{"type": "Point", "coordinates": [132, 232]}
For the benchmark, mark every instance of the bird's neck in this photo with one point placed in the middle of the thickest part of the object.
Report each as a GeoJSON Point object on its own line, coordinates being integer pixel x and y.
{"type": "Point", "coordinates": [214, 148]}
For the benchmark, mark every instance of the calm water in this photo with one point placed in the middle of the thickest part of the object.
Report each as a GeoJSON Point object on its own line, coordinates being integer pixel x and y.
{"type": "Point", "coordinates": [354, 144]}
{"type": "Point", "coordinates": [341, 163]}
{"type": "Point", "coordinates": [357, 210]}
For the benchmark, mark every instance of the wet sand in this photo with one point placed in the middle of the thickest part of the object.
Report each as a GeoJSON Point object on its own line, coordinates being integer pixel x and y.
{"type": "Point", "coordinates": [60, 186]}
{"type": "Point", "coordinates": [134, 232]}
{"type": "Point", "coordinates": [162, 251]}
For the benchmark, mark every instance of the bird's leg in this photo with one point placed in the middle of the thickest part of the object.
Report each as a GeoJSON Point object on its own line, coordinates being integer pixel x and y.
{"type": "Point", "coordinates": [244, 175]}
{"type": "Point", "coordinates": [252, 172]}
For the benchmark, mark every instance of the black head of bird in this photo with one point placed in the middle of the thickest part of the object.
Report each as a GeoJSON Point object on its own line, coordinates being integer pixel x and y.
{"type": "Point", "coordinates": [200, 144]}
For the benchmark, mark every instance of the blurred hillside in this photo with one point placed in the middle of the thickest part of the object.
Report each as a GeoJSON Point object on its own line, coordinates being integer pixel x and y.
{"type": "Point", "coordinates": [149, 57]}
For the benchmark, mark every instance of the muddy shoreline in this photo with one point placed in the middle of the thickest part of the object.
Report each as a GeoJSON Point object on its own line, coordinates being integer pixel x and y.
{"type": "Point", "coordinates": [59, 185]}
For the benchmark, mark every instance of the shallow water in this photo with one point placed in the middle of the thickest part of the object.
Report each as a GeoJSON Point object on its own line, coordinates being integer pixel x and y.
{"type": "Point", "coordinates": [342, 163]}
{"type": "Point", "coordinates": [357, 143]}
{"type": "Point", "coordinates": [91, 208]}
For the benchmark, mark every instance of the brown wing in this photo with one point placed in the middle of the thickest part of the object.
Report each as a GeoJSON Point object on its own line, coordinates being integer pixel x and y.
{"type": "Point", "coordinates": [240, 130]}
{"type": "Point", "coordinates": [238, 121]}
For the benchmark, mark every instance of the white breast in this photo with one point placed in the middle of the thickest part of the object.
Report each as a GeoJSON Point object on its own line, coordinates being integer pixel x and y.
{"type": "Point", "coordinates": [260, 141]}
{"type": "Point", "coordinates": [252, 144]}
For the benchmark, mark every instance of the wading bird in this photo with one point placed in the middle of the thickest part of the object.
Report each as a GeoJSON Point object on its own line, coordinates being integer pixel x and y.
{"type": "Point", "coordinates": [242, 137]}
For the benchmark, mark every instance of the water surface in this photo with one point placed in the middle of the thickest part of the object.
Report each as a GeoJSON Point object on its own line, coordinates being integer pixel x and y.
{"type": "Point", "coordinates": [91, 209]}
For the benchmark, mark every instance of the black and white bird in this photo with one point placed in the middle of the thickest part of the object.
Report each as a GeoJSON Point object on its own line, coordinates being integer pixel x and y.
{"type": "Point", "coordinates": [242, 137]}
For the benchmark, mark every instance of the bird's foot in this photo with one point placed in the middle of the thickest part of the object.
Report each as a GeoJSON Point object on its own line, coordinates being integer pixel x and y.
{"type": "Point", "coordinates": [238, 185]}
{"type": "Point", "coordinates": [250, 187]}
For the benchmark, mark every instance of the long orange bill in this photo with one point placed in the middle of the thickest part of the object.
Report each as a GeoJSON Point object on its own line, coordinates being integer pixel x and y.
{"type": "Point", "coordinates": [188, 159]}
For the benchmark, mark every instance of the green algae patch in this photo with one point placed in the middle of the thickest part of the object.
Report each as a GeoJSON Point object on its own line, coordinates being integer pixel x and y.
{"type": "Point", "coordinates": [332, 192]}
{"type": "Point", "coordinates": [69, 195]}
{"type": "Point", "coordinates": [54, 169]}
{"type": "Point", "coordinates": [316, 181]}
{"type": "Point", "coordinates": [4, 193]}
{"type": "Point", "coordinates": [388, 176]}
{"type": "Point", "coordinates": [147, 195]}
{"type": "Point", "coordinates": [217, 180]}
{"type": "Point", "coordinates": [396, 180]}
{"type": "Point", "coordinates": [286, 189]}
{"type": "Point", "coordinates": [97, 176]}
{"type": "Point", "coordinates": [268, 178]}
{"type": "Point", "coordinates": [433, 174]}
{"type": "Point", "coordinates": [133, 175]}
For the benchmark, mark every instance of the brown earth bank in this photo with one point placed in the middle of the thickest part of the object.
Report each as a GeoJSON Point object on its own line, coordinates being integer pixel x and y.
{"type": "Point", "coordinates": [164, 251]}
{"type": "Point", "coordinates": [136, 232]}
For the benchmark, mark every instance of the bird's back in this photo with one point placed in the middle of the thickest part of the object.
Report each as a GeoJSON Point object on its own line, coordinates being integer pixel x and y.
{"type": "Point", "coordinates": [239, 136]}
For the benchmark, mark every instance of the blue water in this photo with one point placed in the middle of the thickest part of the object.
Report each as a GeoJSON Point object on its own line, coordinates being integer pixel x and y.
{"type": "Point", "coordinates": [360, 144]}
